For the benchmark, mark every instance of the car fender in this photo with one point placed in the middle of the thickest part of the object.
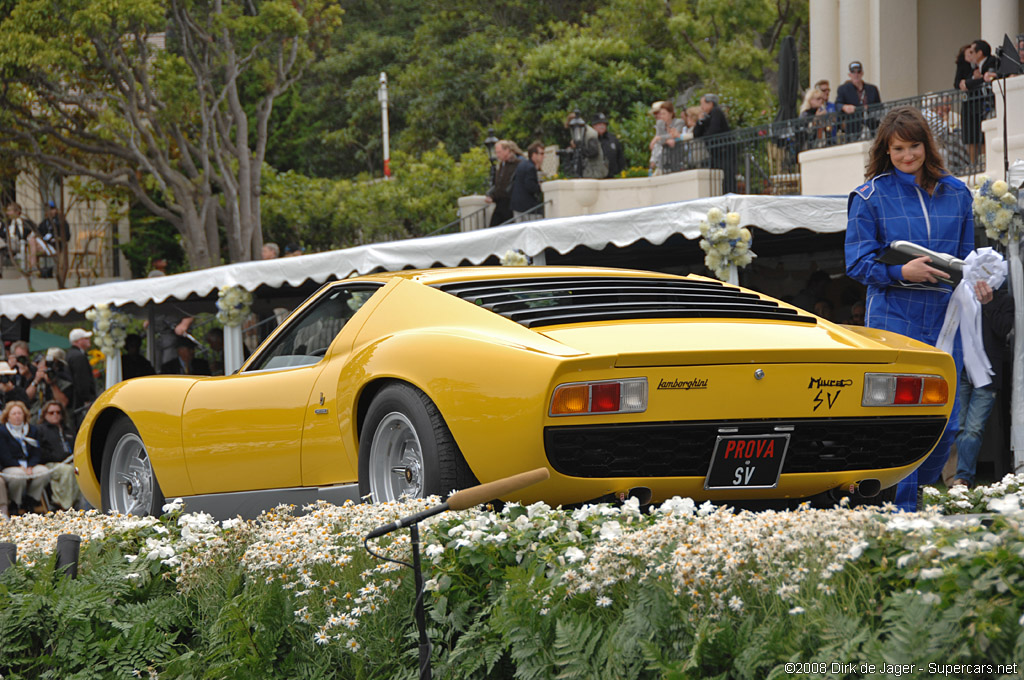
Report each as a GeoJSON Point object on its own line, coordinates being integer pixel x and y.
{"type": "Point", "coordinates": [483, 389]}
{"type": "Point", "coordinates": [154, 405]}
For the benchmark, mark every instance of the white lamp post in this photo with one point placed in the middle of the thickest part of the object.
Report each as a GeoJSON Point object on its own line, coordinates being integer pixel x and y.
{"type": "Point", "coordinates": [382, 96]}
{"type": "Point", "coordinates": [1015, 178]}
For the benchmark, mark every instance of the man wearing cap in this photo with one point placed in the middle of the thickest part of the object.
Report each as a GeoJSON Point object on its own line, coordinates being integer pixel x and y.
{"type": "Point", "coordinates": [8, 390]}
{"type": "Point", "coordinates": [595, 165]}
{"type": "Point", "coordinates": [83, 384]}
{"type": "Point", "coordinates": [610, 145]}
{"type": "Point", "coordinates": [855, 96]}
{"type": "Point", "coordinates": [54, 235]}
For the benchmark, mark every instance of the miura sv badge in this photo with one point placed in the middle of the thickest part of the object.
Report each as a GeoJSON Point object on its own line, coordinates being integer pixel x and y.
{"type": "Point", "coordinates": [828, 391]}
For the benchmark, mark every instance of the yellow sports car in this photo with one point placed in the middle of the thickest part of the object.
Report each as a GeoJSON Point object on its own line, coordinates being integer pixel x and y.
{"type": "Point", "coordinates": [421, 382]}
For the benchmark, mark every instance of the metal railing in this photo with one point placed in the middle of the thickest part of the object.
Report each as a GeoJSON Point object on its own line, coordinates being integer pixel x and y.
{"type": "Point", "coordinates": [764, 159]}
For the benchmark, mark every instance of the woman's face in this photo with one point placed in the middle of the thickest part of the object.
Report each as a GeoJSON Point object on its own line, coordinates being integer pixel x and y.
{"type": "Point", "coordinates": [817, 101]}
{"type": "Point", "coordinates": [906, 156]}
{"type": "Point", "coordinates": [664, 114]}
{"type": "Point", "coordinates": [16, 416]}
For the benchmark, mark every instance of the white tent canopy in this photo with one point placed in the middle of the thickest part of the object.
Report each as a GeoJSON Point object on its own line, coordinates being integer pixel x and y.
{"type": "Point", "coordinates": [655, 224]}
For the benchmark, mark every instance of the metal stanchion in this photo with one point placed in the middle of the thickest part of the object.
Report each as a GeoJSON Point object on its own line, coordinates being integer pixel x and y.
{"type": "Point", "coordinates": [8, 556]}
{"type": "Point", "coordinates": [68, 546]}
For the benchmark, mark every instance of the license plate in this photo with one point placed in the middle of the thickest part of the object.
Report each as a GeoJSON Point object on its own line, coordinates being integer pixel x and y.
{"type": "Point", "coordinates": [747, 461]}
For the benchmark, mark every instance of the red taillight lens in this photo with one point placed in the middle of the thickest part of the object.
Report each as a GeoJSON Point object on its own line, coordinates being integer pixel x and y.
{"type": "Point", "coordinates": [604, 397]}
{"type": "Point", "coordinates": [908, 390]}
{"type": "Point", "coordinates": [608, 396]}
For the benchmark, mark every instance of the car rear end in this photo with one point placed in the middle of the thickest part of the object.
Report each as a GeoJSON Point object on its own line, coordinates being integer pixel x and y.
{"type": "Point", "coordinates": [692, 387]}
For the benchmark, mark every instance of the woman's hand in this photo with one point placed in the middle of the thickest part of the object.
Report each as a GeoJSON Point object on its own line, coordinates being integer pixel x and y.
{"type": "Point", "coordinates": [983, 291]}
{"type": "Point", "coordinates": [919, 271]}
{"type": "Point", "coordinates": [654, 142]}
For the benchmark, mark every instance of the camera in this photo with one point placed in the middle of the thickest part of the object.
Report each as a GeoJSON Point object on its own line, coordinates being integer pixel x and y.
{"type": "Point", "coordinates": [23, 360]}
{"type": "Point", "coordinates": [5, 379]}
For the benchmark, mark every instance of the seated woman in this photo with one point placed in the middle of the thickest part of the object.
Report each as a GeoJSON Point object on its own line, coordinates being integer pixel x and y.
{"type": "Point", "coordinates": [20, 460]}
{"type": "Point", "coordinates": [55, 444]}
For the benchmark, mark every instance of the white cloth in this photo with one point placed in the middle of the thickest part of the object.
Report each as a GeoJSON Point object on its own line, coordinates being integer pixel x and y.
{"type": "Point", "coordinates": [964, 313]}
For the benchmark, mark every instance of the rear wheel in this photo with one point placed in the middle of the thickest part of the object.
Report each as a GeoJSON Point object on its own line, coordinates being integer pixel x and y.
{"type": "Point", "coordinates": [127, 481]}
{"type": "Point", "coordinates": [406, 449]}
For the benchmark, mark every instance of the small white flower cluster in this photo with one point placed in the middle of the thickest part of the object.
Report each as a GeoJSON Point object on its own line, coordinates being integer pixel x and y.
{"type": "Point", "coordinates": [725, 243]}
{"type": "Point", "coordinates": [233, 304]}
{"type": "Point", "coordinates": [514, 258]}
{"type": "Point", "coordinates": [109, 328]}
{"type": "Point", "coordinates": [996, 209]}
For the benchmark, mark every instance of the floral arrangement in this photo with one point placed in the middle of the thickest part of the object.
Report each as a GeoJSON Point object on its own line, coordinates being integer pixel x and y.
{"type": "Point", "coordinates": [996, 209]}
{"type": "Point", "coordinates": [233, 304]}
{"type": "Point", "coordinates": [109, 328]}
{"type": "Point", "coordinates": [725, 243]}
{"type": "Point", "coordinates": [514, 258]}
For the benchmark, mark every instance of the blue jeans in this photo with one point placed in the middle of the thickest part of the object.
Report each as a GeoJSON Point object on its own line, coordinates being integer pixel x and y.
{"type": "Point", "coordinates": [975, 407]}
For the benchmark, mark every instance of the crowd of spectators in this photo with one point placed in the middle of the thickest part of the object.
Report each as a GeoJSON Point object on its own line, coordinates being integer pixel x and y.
{"type": "Point", "coordinates": [39, 249]}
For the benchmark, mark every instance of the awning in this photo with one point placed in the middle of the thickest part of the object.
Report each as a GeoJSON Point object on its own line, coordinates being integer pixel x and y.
{"type": "Point", "coordinates": [655, 224]}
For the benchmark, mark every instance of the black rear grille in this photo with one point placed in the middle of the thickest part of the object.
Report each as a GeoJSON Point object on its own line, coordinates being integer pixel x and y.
{"type": "Point", "coordinates": [560, 300]}
{"type": "Point", "coordinates": [683, 449]}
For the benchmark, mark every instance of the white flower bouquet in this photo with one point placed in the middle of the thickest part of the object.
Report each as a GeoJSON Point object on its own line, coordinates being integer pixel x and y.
{"type": "Point", "coordinates": [996, 209]}
{"type": "Point", "coordinates": [725, 243]}
{"type": "Point", "coordinates": [514, 258]}
{"type": "Point", "coordinates": [109, 328]}
{"type": "Point", "coordinates": [233, 305]}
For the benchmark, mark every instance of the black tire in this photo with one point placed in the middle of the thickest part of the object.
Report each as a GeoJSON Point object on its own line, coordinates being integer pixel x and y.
{"type": "Point", "coordinates": [127, 482]}
{"type": "Point", "coordinates": [405, 447]}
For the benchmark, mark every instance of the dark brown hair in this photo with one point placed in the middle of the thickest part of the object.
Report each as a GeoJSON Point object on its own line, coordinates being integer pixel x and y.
{"type": "Point", "coordinates": [906, 123]}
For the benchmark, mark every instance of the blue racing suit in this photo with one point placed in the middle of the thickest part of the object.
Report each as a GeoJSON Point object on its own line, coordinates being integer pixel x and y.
{"type": "Point", "coordinates": [892, 207]}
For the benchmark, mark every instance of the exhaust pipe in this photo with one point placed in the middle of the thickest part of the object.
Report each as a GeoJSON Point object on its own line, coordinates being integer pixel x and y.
{"type": "Point", "coordinates": [865, 488]}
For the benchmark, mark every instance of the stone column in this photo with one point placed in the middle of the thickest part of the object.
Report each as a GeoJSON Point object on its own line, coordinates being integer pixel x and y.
{"type": "Point", "coordinates": [999, 18]}
{"type": "Point", "coordinates": [855, 39]}
{"type": "Point", "coordinates": [893, 42]}
{"type": "Point", "coordinates": [824, 22]}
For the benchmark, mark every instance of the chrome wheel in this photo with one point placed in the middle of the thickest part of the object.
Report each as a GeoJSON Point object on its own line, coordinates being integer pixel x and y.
{"type": "Point", "coordinates": [130, 482]}
{"type": "Point", "coordinates": [396, 459]}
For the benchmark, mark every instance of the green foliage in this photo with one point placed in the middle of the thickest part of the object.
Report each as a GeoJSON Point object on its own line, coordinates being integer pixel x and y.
{"type": "Point", "coordinates": [322, 214]}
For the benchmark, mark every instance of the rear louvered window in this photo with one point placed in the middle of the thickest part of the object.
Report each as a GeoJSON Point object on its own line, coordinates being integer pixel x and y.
{"type": "Point", "coordinates": [565, 300]}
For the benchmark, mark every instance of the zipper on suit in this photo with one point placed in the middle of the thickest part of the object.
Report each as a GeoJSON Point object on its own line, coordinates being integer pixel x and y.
{"type": "Point", "coordinates": [924, 209]}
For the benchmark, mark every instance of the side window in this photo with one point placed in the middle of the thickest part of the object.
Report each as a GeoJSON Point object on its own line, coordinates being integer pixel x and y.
{"type": "Point", "coordinates": [305, 340]}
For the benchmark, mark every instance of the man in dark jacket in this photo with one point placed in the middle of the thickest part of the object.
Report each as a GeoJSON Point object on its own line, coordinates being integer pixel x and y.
{"type": "Point", "coordinates": [526, 193]}
{"type": "Point", "coordinates": [854, 97]}
{"type": "Point", "coordinates": [82, 381]}
{"type": "Point", "coordinates": [500, 191]}
{"type": "Point", "coordinates": [610, 144]}
{"type": "Point", "coordinates": [721, 147]}
{"type": "Point", "coordinates": [976, 402]}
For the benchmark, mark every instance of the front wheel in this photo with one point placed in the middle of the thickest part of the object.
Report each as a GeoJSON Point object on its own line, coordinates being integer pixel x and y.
{"type": "Point", "coordinates": [406, 449]}
{"type": "Point", "coordinates": [127, 482]}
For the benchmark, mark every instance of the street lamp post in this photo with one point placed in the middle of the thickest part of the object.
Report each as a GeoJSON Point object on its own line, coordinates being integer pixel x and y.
{"type": "Point", "coordinates": [490, 143]}
{"type": "Point", "coordinates": [1015, 178]}
{"type": "Point", "coordinates": [382, 96]}
{"type": "Point", "coordinates": [578, 131]}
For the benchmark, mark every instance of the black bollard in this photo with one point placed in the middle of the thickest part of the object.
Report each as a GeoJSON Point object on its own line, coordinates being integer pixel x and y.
{"type": "Point", "coordinates": [67, 554]}
{"type": "Point", "coordinates": [8, 556]}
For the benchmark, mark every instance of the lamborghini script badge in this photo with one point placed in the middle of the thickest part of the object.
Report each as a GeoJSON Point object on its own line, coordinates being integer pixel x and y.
{"type": "Point", "coordinates": [694, 384]}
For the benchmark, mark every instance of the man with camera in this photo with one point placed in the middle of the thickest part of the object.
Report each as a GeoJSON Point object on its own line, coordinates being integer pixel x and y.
{"type": "Point", "coordinates": [9, 391]}
{"type": "Point", "coordinates": [52, 381]}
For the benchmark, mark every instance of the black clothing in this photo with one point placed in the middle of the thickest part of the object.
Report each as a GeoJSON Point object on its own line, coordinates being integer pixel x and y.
{"type": "Point", "coordinates": [16, 394]}
{"type": "Point", "coordinates": [979, 102]}
{"type": "Point", "coordinates": [134, 365]}
{"type": "Point", "coordinates": [996, 324]}
{"type": "Point", "coordinates": [526, 191]}
{"type": "Point", "coordinates": [53, 228]}
{"type": "Point", "coordinates": [500, 192]}
{"type": "Point", "coordinates": [83, 384]}
{"type": "Point", "coordinates": [613, 153]}
{"type": "Point", "coordinates": [176, 367]}
{"type": "Point", "coordinates": [54, 444]}
{"type": "Point", "coordinates": [721, 147]}
{"type": "Point", "coordinates": [964, 69]}
{"type": "Point", "coordinates": [11, 452]}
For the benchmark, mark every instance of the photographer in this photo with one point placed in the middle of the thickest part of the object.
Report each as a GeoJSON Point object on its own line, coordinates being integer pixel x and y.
{"type": "Point", "coordinates": [9, 391]}
{"type": "Point", "coordinates": [52, 380]}
{"type": "Point", "coordinates": [22, 364]}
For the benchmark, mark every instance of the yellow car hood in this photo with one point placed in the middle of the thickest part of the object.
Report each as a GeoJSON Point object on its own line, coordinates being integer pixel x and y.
{"type": "Point", "coordinates": [698, 342]}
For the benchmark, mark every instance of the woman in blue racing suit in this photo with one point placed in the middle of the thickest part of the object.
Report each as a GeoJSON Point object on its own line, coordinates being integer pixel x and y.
{"type": "Point", "coordinates": [910, 196]}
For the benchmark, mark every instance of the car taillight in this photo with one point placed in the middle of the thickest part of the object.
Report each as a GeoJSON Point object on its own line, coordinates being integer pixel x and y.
{"type": "Point", "coordinates": [605, 396]}
{"type": "Point", "coordinates": [890, 389]}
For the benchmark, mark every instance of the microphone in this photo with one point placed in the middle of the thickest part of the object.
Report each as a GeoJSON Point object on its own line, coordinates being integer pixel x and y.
{"type": "Point", "coordinates": [467, 498]}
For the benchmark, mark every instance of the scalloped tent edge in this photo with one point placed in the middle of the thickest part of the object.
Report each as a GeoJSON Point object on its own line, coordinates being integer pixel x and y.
{"type": "Point", "coordinates": [655, 224]}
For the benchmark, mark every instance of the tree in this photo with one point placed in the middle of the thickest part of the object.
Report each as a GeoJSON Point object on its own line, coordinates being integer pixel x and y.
{"type": "Point", "coordinates": [169, 100]}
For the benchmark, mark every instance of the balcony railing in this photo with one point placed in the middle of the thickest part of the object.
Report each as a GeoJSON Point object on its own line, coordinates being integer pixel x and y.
{"type": "Point", "coordinates": [764, 159]}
